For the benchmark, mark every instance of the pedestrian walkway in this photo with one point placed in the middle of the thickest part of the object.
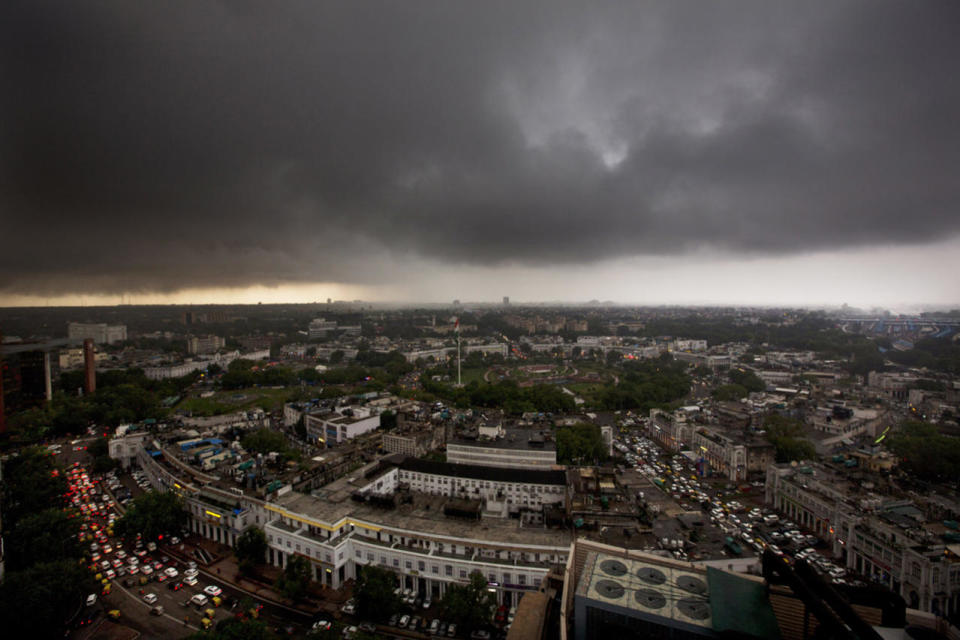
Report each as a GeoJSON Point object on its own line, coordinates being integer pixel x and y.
{"type": "Point", "coordinates": [224, 569]}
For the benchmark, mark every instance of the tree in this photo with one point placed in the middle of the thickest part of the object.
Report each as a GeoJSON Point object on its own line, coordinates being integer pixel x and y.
{"type": "Point", "coordinates": [374, 593]}
{"type": "Point", "coordinates": [295, 579]}
{"type": "Point", "coordinates": [30, 479]}
{"type": "Point", "coordinates": [925, 452]}
{"type": "Point", "coordinates": [51, 534]}
{"type": "Point", "coordinates": [730, 392]}
{"type": "Point", "coordinates": [388, 420]}
{"type": "Point", "coordinates": [153, 514]}
{"type": "Point", "coordinates": [38, 601]}
{"type": "Point", "coordinates": [235, 628]}
{"type": "Point", "coordinates": [787, 437]}
{"type": "Point", "coordinates": [264, 441]}
{"type": "Point", "coordinates": [251, 549]}
{"type": "Point", "coordinates": [580, 443]}
{"type": "Point", "coordinates": [470, 605]}
{"type": "Point", "coordinates": [747, 379]}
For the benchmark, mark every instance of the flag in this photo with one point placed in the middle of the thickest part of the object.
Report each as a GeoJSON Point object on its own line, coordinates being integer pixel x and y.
{"type": "Point", "coordinates": [456, 325]}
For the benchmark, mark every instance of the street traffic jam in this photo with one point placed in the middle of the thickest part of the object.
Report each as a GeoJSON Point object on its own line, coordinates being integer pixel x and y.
{"type": "Point", "coordinates": [141, 568]}
{"type": "Point", "coordinates": [746, 526]}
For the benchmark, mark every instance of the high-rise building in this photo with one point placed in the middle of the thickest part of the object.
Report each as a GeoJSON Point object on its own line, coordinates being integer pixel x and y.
{"type": "Point", "coordinates": [506, 299]}
{"type": "Point", "coordinates": [100, 333]}
{"type": "Point", "coordinates": [208, 344]}
{"type": "Point", "coordinates": [319, 328]}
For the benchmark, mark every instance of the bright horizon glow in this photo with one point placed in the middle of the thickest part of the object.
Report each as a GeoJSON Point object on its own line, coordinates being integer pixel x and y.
{"type": "Point", "coordinates": [903, 279]}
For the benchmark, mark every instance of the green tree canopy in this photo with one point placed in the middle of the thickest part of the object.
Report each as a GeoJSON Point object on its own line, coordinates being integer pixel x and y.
{"type": "Point", "coordinates": [36, 602]}
{"type": "Point", "coordinates": [925, 452]}
{"type": "Point", "coordinates": [787, 437]}
{"type": "Point", "coordinates": [30, 480]}
{"type": "Point", "coordinates": [295, 579]}
{"type": "Point", "coordinates": [730, 392]}
{"type": "Point", "coordinates": [581, 443]}
{"type": "Point", "coordinates": [51, 534]}
{"type": "Point", "coordinates": [266, 440]}
{"type": "Point", "coordinates": [234, 628]}
{"type": "Point", "coordinates": [374, 593]}
{"type": "Point", "coordinates": [469, 605]}
{"type": "Point", "coordinates": [251, 549]}
{"type": "Point", "coordinates": [153, 514]}
{"type": "Point", "coordinates": [746, 379]}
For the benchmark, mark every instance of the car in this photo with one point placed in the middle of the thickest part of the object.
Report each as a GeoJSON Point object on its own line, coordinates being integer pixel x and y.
{"type": "Point", "coordinates": [171, 572]}
{"type": "Point", "coordinates": [133, 569]}
{"type": "Point", "coordinates": [157, 610]}
{"type": "Point", "coordinates": [427, 602]}
{"type": "Point", "coordinates": [191, 573]}
{"type": "Point", "coordinates": [91, 599]}
{"type": "Point", "coordinates": [349, 632]}
{"type": "Point", "coordinates": [146, 570]}
{"type": "Point", "coordinates": [480, 634]}
{"type": "Point", "coordinates": [414, 623]}
{"type": "Point", "coordinates": [190, 581]}
{"type": "Point", "coordinates": [150, 598]}
{"type": "Point", "coordinates": [368, 627]}
{"type": "Point", "coordinates": [116, 563]}
{"type": "Point", "coordinates": [110, 574]}
{"type": "Point", "coordinates": [434, 626]}
{"type": "Point", "coordinates": [212, 590]}
{"type": "Point", "coordinates": [349, 609]}
{"type": "Point", "coordinates": [452, 630]}
{"type": "Point", "coordinates": [394, 619]}
{"type": "Point", "coordinates": [199, 600]}
{"type": "Point", "coordinates": [174, 540]}
{"type": "Point", "coordinates": [404, 621]}
{"type": "Point", "coordinates": [121, 554]}
{"type": "Point", "coordinates": [157, 565]}
{"type": "Point", "coordinates": [322, 625]}
{"type": "Point", "coordinates": [175, 586]}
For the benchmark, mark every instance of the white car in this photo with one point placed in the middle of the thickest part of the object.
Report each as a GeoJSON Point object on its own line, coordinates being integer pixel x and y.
{"type": "Point", "coordinates": [91, 599]}
{"type": "Point", "coordinates": [190, 581]}
{"type": "Point", "coordinates": [199, 600]}
{"type": "Point", "coordinates": [212, 590]}
{"type": "Point", "coordinates": [146, 570]}
{"type": "Point", "coordinates": [191, 573]}
{"type": "Point", "coordinates": [171, 572]}
{"type": "Point", "coordinates": [150, 598]}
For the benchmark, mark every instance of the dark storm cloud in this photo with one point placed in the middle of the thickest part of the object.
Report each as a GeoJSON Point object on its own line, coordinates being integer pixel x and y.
{"type": "Point", "coordinates": [162, 145]}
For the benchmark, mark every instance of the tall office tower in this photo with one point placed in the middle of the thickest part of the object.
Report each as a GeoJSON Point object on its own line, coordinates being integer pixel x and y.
{"type": "Point", "coordinates": [89, 367]}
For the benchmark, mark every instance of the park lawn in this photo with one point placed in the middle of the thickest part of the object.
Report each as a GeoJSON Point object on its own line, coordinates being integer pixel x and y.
{"type": "Point", "coordinates": [230, 401]}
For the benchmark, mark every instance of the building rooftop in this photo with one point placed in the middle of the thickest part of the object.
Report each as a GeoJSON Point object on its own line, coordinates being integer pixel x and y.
{"type": "Point", "coordinates": [423, 516]}
{"type": "Point", "coordinates": [518, 439]}
{"type": "Point", "coordinates": [499, 474]}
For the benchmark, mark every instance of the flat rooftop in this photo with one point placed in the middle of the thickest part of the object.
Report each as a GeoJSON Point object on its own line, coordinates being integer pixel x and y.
{"type": "Point", "coordinates": [518, 439]}
{"type": "Point", "coordinates": [424, 516]}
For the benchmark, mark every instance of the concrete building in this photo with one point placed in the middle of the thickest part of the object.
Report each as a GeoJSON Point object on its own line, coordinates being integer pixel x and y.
{"type": "Point", "coordinates": [885, 539]}
{"type": "Point", "coordinates": [414, 443]}
{"type": "Point", "coordinates": [320, 328]}
{"type": "Point", "coordinates": [338, 531]}
{"type": "Point", "coordinates": [100, 333]}
{"type": "Point", "coordinates": [336, 427]}
{"type": "Point", "coordinates": [513, 448]}
{"type": "Point", "coordinates": [205, 345]}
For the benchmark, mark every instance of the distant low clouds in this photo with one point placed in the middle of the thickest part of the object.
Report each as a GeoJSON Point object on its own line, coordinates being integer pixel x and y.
{"type": "Point", "coordinates": [155, 147]}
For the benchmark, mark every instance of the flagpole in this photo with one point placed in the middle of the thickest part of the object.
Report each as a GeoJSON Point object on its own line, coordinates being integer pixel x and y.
{"type": "Point", "coordinates": [458, 353]}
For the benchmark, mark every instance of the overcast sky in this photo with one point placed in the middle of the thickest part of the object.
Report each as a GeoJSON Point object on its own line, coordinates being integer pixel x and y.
{"type": "Point", "coordinates": [749, 152]}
